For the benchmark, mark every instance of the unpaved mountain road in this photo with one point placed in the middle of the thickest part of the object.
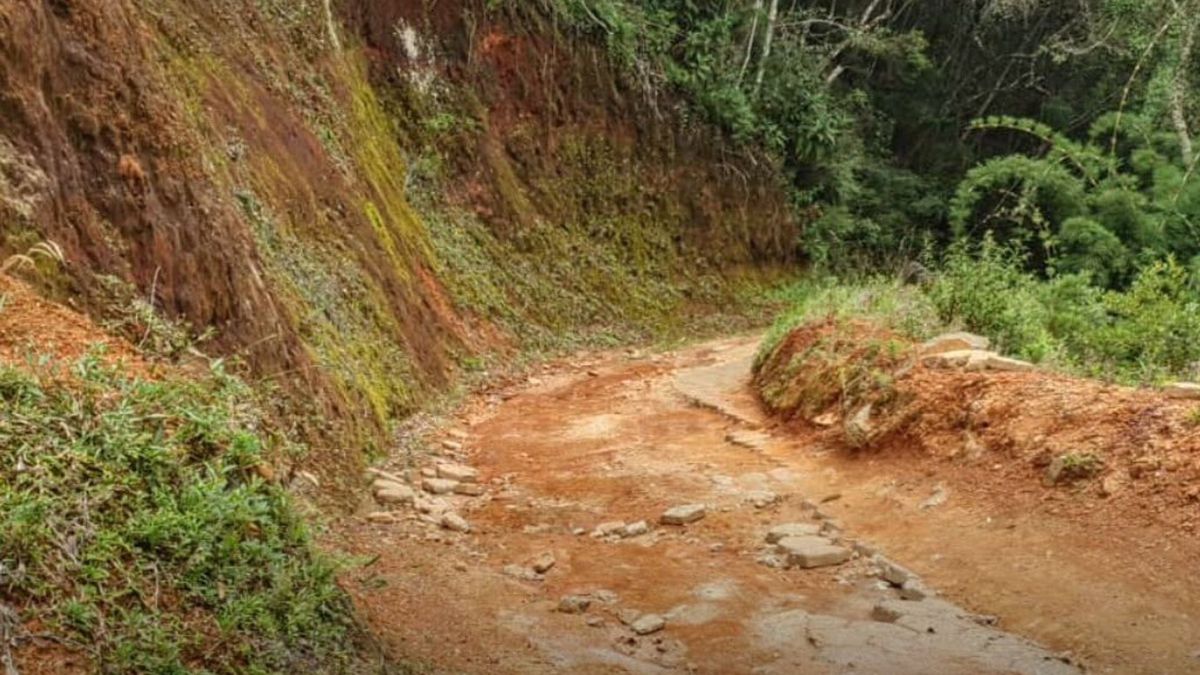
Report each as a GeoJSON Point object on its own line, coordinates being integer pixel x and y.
{"type": "Point", "coordinates": [621, 438]}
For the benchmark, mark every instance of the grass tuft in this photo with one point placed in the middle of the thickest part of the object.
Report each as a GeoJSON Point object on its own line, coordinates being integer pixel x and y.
{"type": "Point", "coordinates": [133, 526]}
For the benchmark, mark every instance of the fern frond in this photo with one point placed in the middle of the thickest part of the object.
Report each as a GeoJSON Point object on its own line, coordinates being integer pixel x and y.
{"type": "Point", "coordinates": [1090, 161]}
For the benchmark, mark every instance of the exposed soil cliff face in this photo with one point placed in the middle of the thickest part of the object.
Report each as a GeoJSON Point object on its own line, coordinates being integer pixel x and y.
{"type": "Point", "coordinates": [251, 165]}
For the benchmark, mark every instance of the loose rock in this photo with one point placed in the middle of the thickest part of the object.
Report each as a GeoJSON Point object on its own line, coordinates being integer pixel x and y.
{"type": "Point", "coordinates": [574, 604]}
{"type": "Point", "coordinates": [891, 572]}
{"type": "Point", "coordinates": [387, 492]}
{"type": "Point", "coordinates": [913, 589]}
{"type": "Point", "coordinates": [457, 472]}
{"type": "Point", "coordinates": [831, 529]}
{"type": "Point", "coordinates": [595, 621]}
{"type": "Point", "coordinates": [826, 420]}
{"type": "Point", "coordinates": [523, 573]}
{"type": "Point", "coordinates": [858, 427]}
{"type": "Point", "coordinates": [682, 515]}
{"type": "Point", "coordinates": [648, 623]}
{"type": "Point", "coordinates": [453, 446]}
{"type": "Point", "coordinates": [773, 560]}
{"type": "Point", "coordinates": [610, 528]}
{"type": "Point", "coordinates": [779, 532]}
{"type": "Point", "coordinates": [812, 552]}
{"type": "Point", "coordinates": [972, 359]}
{"type": "Point", "coordinates": [382, 517]}
{"type": "Point", "coordinates": [431, 505]}
{"type": "Point", "coordinates": [752, 440]}
{"type": "Point", "coordinates": [438, 486]}
{"type": "Point", "coordinates": [1005, 364]}
{"type": "Point", "coordinates": [469, 489]}
{"type": "Point", "coordinates": [627, 616]}
{"type": "Point", "coordinates": [544, 562]}
{"type": "Point", "coordinates": [761, 499]}
{"type": "Point", "coordinates": [939, 497]}
{"type": "Point", "coordinates": [454, 522]}
{"type": "Point", "coordinates": [635, 529]}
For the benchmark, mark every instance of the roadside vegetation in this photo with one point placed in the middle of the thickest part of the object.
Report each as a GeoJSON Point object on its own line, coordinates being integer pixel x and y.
{"type": "Point", "coordinates": [1144, 334]}
{"type": "Point", "coordinates": [136, 527]}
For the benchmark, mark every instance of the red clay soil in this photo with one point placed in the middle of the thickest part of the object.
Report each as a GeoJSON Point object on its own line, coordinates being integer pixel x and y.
{"type": "Point", "coordinates": [33, 327]}
{"type": "Point", "coordinates": [610, 437]}
{"type": "Point", "coordinates": [1001, 430]}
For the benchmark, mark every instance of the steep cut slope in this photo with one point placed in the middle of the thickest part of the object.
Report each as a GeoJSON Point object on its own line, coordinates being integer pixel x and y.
{"type": "Point", "coordinates": [253, 165]}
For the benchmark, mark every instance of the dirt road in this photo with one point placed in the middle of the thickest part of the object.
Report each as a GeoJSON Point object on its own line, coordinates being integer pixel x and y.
{"type": "Point", "coordinates": [591, 445]}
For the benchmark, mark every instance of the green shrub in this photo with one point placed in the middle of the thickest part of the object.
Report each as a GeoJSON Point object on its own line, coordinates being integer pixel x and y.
{"type": "Point", "coordinates": [132, 522]}
{"type": "Point", "coordinates": [1145, 334]}
{"type": "Point", "coordinates": [1087, 247]}
{"type": "Point", "coordinates": [1154, 327]}
{"type": "Point", "coordinates": [988, 291]}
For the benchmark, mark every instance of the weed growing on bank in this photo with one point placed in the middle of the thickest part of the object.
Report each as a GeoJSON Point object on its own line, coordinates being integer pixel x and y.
{"type": "Point", "coordinates": [133, 526]}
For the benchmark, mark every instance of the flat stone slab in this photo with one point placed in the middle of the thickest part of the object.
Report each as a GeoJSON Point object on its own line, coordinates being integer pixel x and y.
{"type": "Point", "coordinates": [635, 529]}
{"type": "Point", "coordinates": [953, 342]}
{"type": "Point", "coordinates": [781, 532]}
{"type": "Point", "coordinates": [811, 552]}
{"type": "Point", "coordinates": [389, 492]}
{"type": "Point", "coordinates": [975, 360]}
{"type": "Point", "coordinates": [1183, 390]}
{"type": "Point", "coordinates": [439, 486]}
{"type": "Point", "coordinates": [612, 527]}
{"type": "Point", "coordinates": [961, 358]}
{"type": "Point", "coordinates": [682, 515]}
{"type": "Point", "coordinates": [457, 472]}
{"type": "Point", "coordinates": [647, 624]}
{"type": "Point", "coordinates": [469, 489]}
{"type": "Point", "coordinates": [906, 638]}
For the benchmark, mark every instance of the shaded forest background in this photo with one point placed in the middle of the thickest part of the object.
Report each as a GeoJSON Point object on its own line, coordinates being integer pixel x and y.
{"type": "Point", "coordinates": [1041, 153]}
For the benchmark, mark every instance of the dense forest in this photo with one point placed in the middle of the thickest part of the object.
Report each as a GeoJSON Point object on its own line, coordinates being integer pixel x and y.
{"type": "Point", "coordinates": [1044, 148]}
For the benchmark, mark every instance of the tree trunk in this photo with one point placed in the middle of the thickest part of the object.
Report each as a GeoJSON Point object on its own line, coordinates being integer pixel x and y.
{"type": "Point", "coordinates": [766, 50]}
{"type": "Point", "coordinates": [1179, 90]}
{"type": "Point", "coordinates": [750, 43]}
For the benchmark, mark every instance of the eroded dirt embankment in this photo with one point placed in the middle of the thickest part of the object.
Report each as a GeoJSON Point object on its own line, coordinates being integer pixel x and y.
{"type": "Point", "coordinates": [355, 196]}
{"type": "Point", "coordinates": [600, 441]}
{"type": "Point", "coordinates": [1130, 454]}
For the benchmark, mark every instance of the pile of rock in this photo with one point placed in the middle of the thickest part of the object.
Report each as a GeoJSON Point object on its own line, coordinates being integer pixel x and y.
{"type": "Point", "coordinates": [427, 493]}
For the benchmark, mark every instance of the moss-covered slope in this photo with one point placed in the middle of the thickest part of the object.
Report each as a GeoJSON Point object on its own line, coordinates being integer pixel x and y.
{"type": "Point", "coordinates": [357, 196]}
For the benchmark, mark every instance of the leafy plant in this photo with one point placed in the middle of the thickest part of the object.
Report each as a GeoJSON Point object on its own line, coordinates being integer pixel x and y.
{"type": "Point", "coordinates": [134, 526]}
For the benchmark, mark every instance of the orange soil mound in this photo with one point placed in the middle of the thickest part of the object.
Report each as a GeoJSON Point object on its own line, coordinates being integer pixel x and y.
{"type": "Point", "coordinates": [33, 327]}
{"type": "Point", "coordinates": [1126, 449]}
